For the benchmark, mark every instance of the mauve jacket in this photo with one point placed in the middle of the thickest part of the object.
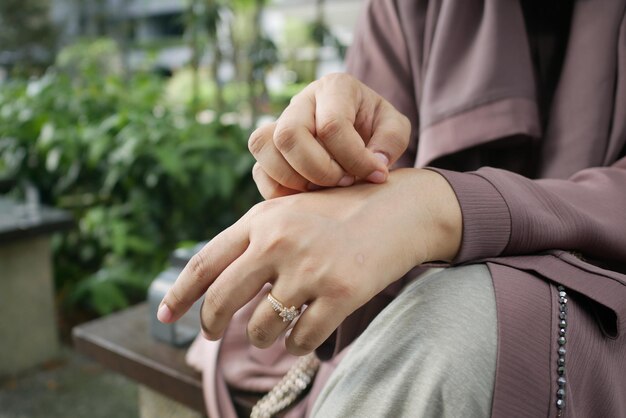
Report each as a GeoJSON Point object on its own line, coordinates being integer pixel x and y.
{"type": "Point", "coordinates": [521, 105]}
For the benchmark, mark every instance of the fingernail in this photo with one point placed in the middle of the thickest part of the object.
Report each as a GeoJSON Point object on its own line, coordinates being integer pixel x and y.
{"type": "Point", "coordinates": [164, 314]}
{"type": "Point", "coordinates": [346, 181]}
{"type": "Point", "coordinates": [376, 177]}
{"type": "Point", "coordinates": [382, 158]}
{"type": "Point", "coordinates": [312, 187]}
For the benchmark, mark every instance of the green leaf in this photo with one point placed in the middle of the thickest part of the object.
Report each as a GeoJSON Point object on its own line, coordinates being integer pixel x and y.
{"type": "Point", "coordinates": [106, 297]}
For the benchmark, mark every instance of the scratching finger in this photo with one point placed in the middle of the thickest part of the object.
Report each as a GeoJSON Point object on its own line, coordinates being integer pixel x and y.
{"type": "Point", "coordinates": [295, 138]}
{"type": "Point", "coordinates": [262, 147]}
{"type": "Point", "coordinates": [268, 187]}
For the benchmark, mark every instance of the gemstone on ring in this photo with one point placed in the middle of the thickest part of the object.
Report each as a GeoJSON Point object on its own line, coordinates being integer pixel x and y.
{"type": "Point", "coordinates": [287, 314]}
{"type": "Point", "coordinates": [290, 314]}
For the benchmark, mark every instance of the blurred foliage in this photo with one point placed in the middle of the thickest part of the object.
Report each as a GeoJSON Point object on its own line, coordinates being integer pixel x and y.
{"type": "Point", "coordinates": [27, 36]}
{"type": "Point", "coordinates": [323, 35]}
{"type": "Point", "coordinates": [229, 31]}
{"type": "Point", "coordinates": [87, 57]}
{"type": "Point", "coordinates": [180, 90]}
{"type": "Point", "coordinates": [144, 163]}
{"type": "Point", "coordinates": [139, 173]}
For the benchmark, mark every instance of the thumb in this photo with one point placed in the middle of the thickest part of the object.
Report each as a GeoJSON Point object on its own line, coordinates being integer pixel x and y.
{"type": "Point", "coordinates": [379, 175]}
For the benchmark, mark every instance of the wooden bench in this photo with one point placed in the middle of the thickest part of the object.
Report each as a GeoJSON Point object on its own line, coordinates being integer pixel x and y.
{"type": "Point", "coordinates": [122, 342]}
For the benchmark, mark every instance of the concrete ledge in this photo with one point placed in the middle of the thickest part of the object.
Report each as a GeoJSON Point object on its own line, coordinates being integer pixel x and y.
{"type": "Point", "coordinates": [18, 221]}
{"type": "Point", "coordinates": [27, 315]}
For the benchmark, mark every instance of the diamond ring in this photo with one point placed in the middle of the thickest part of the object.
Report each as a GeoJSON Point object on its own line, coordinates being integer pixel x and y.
{"type": "Point", "coordinates": [288, 314]}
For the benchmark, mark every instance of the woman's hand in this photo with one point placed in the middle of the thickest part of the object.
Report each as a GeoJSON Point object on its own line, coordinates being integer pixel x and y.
{"type": "Point", "coordinates": [332, 250]}
{"type": "Point", "coordinates": [335, 130]}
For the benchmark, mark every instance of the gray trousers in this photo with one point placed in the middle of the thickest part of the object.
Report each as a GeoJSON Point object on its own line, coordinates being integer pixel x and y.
{"type": "Point", "coordinates": [430, 353]}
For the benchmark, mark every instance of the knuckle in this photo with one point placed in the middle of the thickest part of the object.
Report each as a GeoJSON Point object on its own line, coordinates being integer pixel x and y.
{"type": "Point", "coordinates": [326, 79]}
{"type": "Point", "coordinates": [198, 266]}
{"type": "Point", "coordinates": [397, 143]}
{"type": "Point", "coordinates": [296, 97]}
{"type": "Point", "coordinates": [403, 124]}
{"type": "Point", "coordinates": [175, 299]}
{"type": "Point", "coordinates": [336, 78]}
{"type": "Point", "coordinates": [359, 165]}
{"type": "Point", "coordinates": [309, 266]}
{"type": "Point", "coordinates": [338, 288]}
{"type": "Point", "coordinates": [273, 185]}
{"type": "Point", "coordinates": [260, 209]}
{"type": "Point", "coordinates": [257, 171]}
{"type": "Point", "coordinates": [267, 186]}
{"type": "Point", "coordinates": [326, 177]}
{"type": "Point", "coordinates": [259, 336]}
{"type": "Point", "coordinates": [275, 243]}
{"type": "Point", "coordinates": [256, 210]}
{"type": "Point", "coordinates": [329, 128]}
{"type": "Point", "coordinates": [302, 343]}
{"type": "Point", "coordinates": [285, 138]}
{"type": "Point", "coordinates": [345, 81]}
{"type": "Point", "coordinates": [256, 141]}
{"type": "Point", "coordinates": [253, 213]}
{"type": "Point", "coordinates": [215, 302]}
{"type": "Point", "coordinates": [291, 179]}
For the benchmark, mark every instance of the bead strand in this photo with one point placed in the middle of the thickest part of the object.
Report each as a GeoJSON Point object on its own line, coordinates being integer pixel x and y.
{"type": "Point", "coordinates": [287, 390]}
{"type": "Point", "coordinates": [562, 341]}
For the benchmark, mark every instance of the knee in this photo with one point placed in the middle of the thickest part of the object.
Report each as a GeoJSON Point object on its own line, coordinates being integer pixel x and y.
{"type": "Point", "coordinates": [452, 314]}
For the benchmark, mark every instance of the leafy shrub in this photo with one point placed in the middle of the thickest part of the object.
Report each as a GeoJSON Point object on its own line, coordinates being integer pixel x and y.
{"type": "Point", "coordinates": [179, 90]}
{"type": "Point", "coordinates": [90, 56]}
{"type": "Point", "coordinates": [139, 176]}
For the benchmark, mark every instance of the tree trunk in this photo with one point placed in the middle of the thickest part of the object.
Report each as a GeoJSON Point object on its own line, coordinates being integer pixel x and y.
{"type": "Point", "coordinates": [253, 83]}
{"type": "Point", "coordinates": [195, 55]}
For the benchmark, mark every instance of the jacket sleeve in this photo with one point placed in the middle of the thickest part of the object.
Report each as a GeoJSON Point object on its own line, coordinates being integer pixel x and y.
{"type": "Point", "coordinates": [379, 58]}
{"type": "Point", "coordinates": [508, 214]}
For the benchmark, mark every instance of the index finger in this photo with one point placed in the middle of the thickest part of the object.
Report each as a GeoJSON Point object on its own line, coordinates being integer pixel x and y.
{"type": "Point", "coordinates": [294, 138]}
{"type": "Point", "coordinates": [337, 104]}
{"type": "Point", "coordinates": [202, 269]}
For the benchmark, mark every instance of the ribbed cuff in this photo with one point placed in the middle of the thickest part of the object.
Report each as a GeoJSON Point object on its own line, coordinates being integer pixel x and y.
{"type": "Point", "coordinates": [486, 216]}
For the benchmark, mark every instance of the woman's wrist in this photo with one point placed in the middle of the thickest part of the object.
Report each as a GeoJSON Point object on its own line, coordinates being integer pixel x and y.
{"type": "Point", "coordinates": [448, 219]}
{"type": "Point", "coordinates": [436, 211]}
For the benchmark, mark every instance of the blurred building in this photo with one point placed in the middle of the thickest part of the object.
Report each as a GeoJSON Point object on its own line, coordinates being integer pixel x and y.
{"type": "Point", "coordinates": [148, 18]}
{"type": "Point", "coordinates": [157, 26]}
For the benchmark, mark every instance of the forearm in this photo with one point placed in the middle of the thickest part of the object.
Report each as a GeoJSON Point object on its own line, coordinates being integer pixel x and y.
{"type": "Point", "coordinates": [507, 214]}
